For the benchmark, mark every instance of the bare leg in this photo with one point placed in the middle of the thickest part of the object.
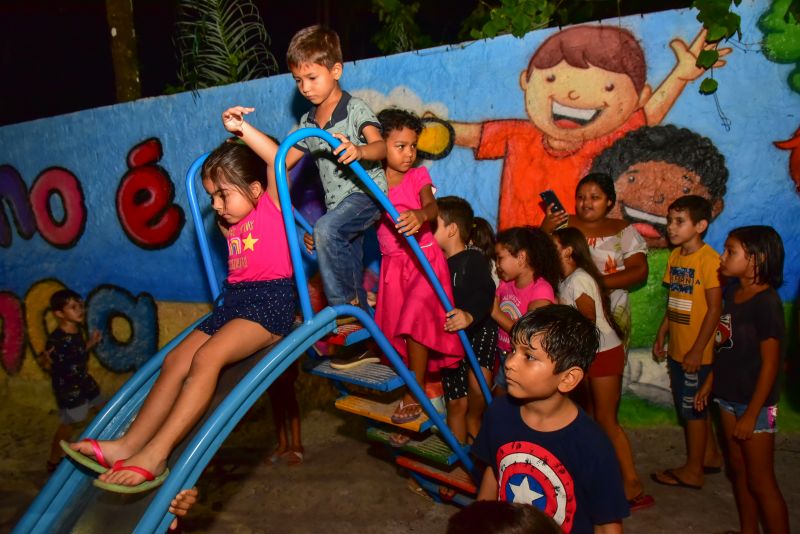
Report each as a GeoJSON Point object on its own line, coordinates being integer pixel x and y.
{"type": "Point", "coordinates": [476, 402]}
{"type": "Point", "coordinates": [292, 414]}
{"type": "Point", "coordinates": [278, 419]}
{"type": "Point", "coordinates": [692, 471]}
{"type": "Point", "coordinates": [156, 406]}
{"type": "Point", "coordinates": [605, 395]}
{"type": "Point", "coordinates": [746, 504]}
{"type": "Point", "coordinates": [457, 418]}
{"type": "Point", "coordinates": [235, 341]}
{"type": "Point", "coordinates": [417, 364]}
{"type": "Point", "coordinates": [712, 456]}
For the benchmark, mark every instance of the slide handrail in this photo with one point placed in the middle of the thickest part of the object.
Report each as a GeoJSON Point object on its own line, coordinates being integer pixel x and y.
{"type": "Point", "coordinates": [294, 247]}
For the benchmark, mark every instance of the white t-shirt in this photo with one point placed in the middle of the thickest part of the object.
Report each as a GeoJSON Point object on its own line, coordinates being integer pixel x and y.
{"type": "Point", "coordinates": [581, 283]}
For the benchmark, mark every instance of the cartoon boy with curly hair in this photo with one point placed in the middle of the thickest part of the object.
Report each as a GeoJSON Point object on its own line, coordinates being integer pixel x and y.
{"type": "Point", "coordinates": [585, 87]}
{"type": "Point", "coordinates": [652, 167]}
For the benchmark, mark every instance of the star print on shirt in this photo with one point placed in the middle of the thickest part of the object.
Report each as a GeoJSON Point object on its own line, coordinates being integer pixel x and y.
{"type": "Point", "coordinates": [249, 242]}
{"type": "Point", "coordinates": [523, 492]}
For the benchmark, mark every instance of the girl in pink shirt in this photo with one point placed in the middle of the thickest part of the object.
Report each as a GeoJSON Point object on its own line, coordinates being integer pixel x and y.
{"type": "Point", "coordinates": [255, 311]}
{"type": "Point", "coordinates": [408, 310]}
{"type": "Point", "coordinates": [529, 269]}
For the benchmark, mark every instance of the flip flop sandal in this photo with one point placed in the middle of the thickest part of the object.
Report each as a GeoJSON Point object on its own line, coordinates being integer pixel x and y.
{"type": "Point", "coordinates": [672, 480]}
{"type": "Point", "coordinates": [151, 481]}
{"type": "Point", "coordinates": [98, 464]}
{"type": "Point", "coordinates": [402, 419]}
{"type": "Point", "coordinates": [397, 440]}
{"type": "Point", "coordinates": [640, 502]}
{"type": "Point", "coordinates": [293, 458]}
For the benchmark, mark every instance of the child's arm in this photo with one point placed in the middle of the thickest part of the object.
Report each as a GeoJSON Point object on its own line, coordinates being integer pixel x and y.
{"type": "Point", "coordinates": [46, 357]}
{"type": "Point", "coordinates": [693, 358]}
{"type": "Point", "coordinates": [93, 340]}
{"type": "Point", "coordinates": [701, 397]}
{"type": "Point", "coordinates": [538, 303]}
{"type": "Point", "coordinates": [503, 321]}
{"type": "Point", "coordinates": [458, 319]}
{"type": "Point", "coordinates": [770, 350]}
{"type": "Point", "coordinates": [635, 272]}
{"type": "Point", "coordinates": [586, 306]}
{"type": "Point", "coordinates": [684, 72]}
{"type": "Point", "coordinates": [609, 528]}
{"type": "Point", "coordinates": [468, 134]}
{"type": "Point", "coordinates": [411, 221]}
{"type": "Point", "coordinates": [659, 347]}
{"type": "Point", "coordinates": [266, 148]}
{"type": "Point", "coordinates": [374, 150]}
{"type": "Point", "coordinates": [488, 489]}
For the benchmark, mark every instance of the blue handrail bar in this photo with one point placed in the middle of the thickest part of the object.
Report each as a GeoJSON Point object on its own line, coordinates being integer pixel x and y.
{"type": "Point", "coordinates": [294, 248]}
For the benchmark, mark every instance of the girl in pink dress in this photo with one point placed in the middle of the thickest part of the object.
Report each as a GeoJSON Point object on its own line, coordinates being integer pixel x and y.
{"type": "Point", "coordinates": [408, 311]}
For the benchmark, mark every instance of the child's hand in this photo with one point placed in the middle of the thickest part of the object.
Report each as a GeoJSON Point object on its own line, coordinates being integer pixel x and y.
{"type": "Point", "coordinates": [659, 349]}
{"type": "Point", "coordinates": [701, 397]}
{"type": "Point", "coordinates": [372, 299]}
{"type": "Point", "coordinates": [744, 427]}
{"type": "Point", "coordinates": [409, 222]}
{"type": "Point", "coordinates": [686, 56]}
{"type": "Point", "coordinates": [347, 151]}
{"type": "Point", "coordinates": [181, 505]}
{"type": "Point", "coordinates": [233, 118]}
{"type": "Point", "coordinates": [308, 240]}
{"type": "Point", "coordinates": [457, 320]}
{"type": "Point", "coordinates": [94, 339]}
{"type": "Point", "coordinates": [554, 219]}
{"type": "Point", "coordinates": [47, 359]}
{"type": "Point", "coordinates": [692, 360]}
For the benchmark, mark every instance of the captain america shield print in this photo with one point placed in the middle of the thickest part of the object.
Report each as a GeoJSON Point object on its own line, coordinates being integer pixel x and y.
{"type": "Point", "coordinates": [530, 474]}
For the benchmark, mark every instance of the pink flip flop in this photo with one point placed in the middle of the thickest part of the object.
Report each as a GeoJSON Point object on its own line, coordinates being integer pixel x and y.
{"type": "Point", "coordinates": [151, 480]}
{"type": "Point", "coordinates": [98, 464]}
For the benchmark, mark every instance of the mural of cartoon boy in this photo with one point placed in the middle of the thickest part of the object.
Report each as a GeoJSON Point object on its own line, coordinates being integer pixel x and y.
{"type": "Point", "coordinates": [653, 166]}
{"type": "Point", "coordinates": [584, 88]}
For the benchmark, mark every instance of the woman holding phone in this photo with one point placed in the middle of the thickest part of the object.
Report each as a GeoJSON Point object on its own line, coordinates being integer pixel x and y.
{"type": "Point", "coordinates": [620, 254]}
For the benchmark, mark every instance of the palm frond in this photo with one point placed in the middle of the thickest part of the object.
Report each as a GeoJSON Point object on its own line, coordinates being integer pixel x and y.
{"type": "Point", "coordinates": [221, 42]}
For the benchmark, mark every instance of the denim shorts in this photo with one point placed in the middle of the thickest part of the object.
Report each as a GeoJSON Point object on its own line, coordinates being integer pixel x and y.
{"type": "Point", "coordinates": [767, 420]}
{"type": "Point", "coordinates": [270, 303]}
{"type": "Point", "coordinates": [684, 388]}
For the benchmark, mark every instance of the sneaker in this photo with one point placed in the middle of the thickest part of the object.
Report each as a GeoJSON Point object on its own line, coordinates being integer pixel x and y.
{"type": "Point", "coordinates": [351, 360]}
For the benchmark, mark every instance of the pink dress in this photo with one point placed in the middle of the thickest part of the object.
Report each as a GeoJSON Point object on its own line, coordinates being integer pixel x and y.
{"type": "Point", "coordinates": [407, 304]}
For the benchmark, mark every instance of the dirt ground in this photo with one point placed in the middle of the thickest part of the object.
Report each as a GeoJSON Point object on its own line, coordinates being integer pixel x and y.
{"type": "Point", "coordinates": [348, 485]}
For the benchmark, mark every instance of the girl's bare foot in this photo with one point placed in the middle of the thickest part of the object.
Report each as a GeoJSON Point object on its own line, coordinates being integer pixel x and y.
{"type": "Point", "coordinates": [144, 459]}
{"type": "Point", "coordinates": [111, 450]}
{"type": "Point", "coordinates": [294, 456]}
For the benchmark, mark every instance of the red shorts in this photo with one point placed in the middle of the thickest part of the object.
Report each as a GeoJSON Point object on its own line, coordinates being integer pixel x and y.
{"type": "Point", "coordinates": [609, 362]}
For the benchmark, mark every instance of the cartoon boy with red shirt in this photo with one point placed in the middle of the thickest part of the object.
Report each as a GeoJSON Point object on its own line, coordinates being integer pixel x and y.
{"type": "Point", "coordinates": [585, 87]}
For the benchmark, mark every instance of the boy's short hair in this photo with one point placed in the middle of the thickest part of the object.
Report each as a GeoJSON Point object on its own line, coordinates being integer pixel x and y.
{"type": "Point", "coordinates": [670, 144]}
{"type": "Point", "coordinates": [609, 47]}
{"type": "Point", "coordinates": [60, 298]}
{"type": "Point", "coordinates": [568, 338]}
{"type": "Point", "coordinates": [698, 208]}
{"type": "Point", "coordinates": [501, 517]}
{"type": "Point", "coordinates": [315, 44]}
{"type": "Point", "coordinates": [397, 119]}
{"type": "Point", "coordinates": [456, 210]}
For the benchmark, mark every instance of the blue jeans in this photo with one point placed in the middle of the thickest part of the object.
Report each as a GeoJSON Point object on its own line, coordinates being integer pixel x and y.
{"type": "Point", "coordinates": [339, 240]}
{"type": "Point", "coordinates": [684, 388]}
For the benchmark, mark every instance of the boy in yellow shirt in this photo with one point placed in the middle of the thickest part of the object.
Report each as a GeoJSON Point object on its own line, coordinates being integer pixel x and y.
{"type": "Point", "coordinates": [693, 310]}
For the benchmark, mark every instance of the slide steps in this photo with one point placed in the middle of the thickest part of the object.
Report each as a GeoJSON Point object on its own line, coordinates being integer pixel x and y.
{"type": "Point", "coordinates": [381, 411]}
{"type": "Point", "coordinates": [430, 447]}
{"type": "Point", "coordinates": [369, 375]}
{"type": "Point", "coordinates": [454, 476]}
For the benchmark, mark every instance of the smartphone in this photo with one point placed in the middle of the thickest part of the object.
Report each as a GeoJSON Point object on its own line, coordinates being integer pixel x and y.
{"type": "Point", "coordinates": [549, 198]}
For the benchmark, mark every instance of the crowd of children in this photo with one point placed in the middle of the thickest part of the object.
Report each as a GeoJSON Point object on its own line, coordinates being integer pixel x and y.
{"type": "Point", "coordinates": [545, 310]}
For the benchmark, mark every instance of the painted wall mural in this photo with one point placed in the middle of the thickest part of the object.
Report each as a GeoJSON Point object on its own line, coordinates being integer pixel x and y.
{"type": "Point", "coordinates": [96, 200]}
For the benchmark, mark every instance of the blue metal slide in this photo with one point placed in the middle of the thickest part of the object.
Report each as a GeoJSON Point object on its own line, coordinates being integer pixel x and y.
{"type": "Point", "coordinates": [69, 502]}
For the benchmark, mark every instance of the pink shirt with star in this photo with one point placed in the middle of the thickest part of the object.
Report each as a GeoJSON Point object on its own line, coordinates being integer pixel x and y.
{"type": "Point", "coordinates": [257, 246]}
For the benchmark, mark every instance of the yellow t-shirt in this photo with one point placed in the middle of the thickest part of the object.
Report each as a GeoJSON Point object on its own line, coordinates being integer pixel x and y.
{"type": "Point", "coordinates": [688, 278]}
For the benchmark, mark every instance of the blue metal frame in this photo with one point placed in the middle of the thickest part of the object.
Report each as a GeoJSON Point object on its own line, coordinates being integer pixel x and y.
{"type": "Point", "coordinates": [64, 487]}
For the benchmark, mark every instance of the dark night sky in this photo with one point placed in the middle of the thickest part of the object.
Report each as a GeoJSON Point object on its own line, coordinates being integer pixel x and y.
{"type": "Point", "coordinates": [55, 54]}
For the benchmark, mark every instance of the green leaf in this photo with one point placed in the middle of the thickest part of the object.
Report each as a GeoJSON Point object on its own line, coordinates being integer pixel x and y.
{"type": "Point", "coordinates": [708, 86]}
{"type": "Point", "coordinates": [715, 33]}
{"type": "Point", "coordinates": [707, 58]}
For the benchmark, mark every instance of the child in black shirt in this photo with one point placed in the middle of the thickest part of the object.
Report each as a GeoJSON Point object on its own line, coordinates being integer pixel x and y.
{"type": "Point", "coordinates": [66, 356]}
{"type": "Point", "coordinates": [473, 292]}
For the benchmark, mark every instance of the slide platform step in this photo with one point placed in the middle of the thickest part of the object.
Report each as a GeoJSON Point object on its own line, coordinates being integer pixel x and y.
{"type": "Point", "coordinates": [368, 375]}
{"type": "Point", "coordinates": [459, 499]}
{"type": "Point", "coordinates": [380, 411]}
{"type": "Point", "coordinates": [456, 477]}
{"type": "Point", "coordinates": [431, 448]}
{"type": "Point", "coordinates": [348, 334]}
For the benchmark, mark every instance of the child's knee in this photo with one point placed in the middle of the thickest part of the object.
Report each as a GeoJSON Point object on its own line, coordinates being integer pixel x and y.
{"type": "Point", "coordinates": [457, 407]}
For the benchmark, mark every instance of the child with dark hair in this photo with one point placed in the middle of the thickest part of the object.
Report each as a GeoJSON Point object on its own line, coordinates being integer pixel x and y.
{"type": "Point", "coordinates": [408, 311]}
{"type": "Point", "coordinates": [527, 264]}
{"type": "Point", "coordinates": [744, 380]}
{"type": "Point", "coordinates": [583, 287]}
{"type": "Point", "coordinates": [692, 314]}
{"type": "Point", "coordinates": [482, 237]}
{"type": "Point", "coordinates": [501, 517]}
{"type": "Point", "coordinates": [538, 446]}
{"type": "Point", "coordinates": [473, 291]}
{"type": "Point", "coordinates": [653, 166]}
{"type": "Point", "coordinates": [66, 357]}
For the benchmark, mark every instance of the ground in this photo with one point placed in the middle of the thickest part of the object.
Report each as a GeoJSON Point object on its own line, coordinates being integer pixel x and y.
{"type": "Point", "coordinates": [347, 485]}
